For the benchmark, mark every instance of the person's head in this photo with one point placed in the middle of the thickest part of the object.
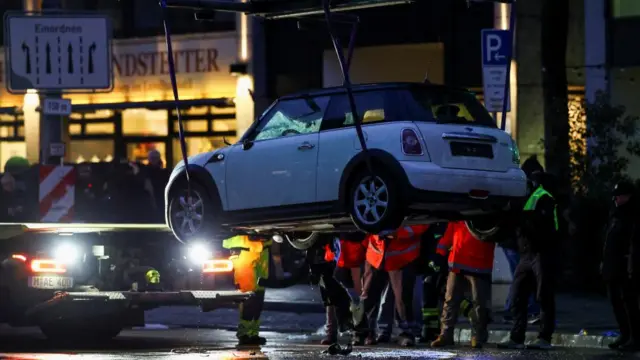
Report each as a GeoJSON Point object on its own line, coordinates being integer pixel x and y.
{"type": "Point", "coordinates": [154, 158]}
{"type": "Point", "coordinates": [8, 182]}
{"type": "Point", "coordinates": [622, 192]}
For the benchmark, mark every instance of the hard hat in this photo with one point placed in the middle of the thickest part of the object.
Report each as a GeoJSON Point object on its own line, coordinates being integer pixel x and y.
{"type": "Point", "coordinates": [16, 164]}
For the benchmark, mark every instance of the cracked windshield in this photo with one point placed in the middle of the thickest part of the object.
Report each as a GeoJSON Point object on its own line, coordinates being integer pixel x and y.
{"type": "Point", "coordinates": [295, 179]}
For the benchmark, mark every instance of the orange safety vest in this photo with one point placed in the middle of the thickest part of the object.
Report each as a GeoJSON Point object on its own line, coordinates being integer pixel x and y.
{"type": "Point", "coordinates": [466, 252]}
{"type": "Point", "coordinates": [352, 254]}
{"type": "Point", "coordinates": [396, 253]}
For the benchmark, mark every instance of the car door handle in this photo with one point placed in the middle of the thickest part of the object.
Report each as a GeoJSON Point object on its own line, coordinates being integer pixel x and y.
{"type": "Point", "coordinates": [306, 146]}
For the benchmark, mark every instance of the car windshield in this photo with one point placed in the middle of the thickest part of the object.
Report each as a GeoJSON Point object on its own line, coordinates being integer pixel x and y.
{"type": "Point", "coordinates": [451, 107]}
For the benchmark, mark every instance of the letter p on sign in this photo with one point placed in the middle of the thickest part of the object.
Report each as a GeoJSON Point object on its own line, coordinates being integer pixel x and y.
{"type": "Point", "coordinates": [496, 47]}
{"type": "Point", "coordinates": [494, 43]}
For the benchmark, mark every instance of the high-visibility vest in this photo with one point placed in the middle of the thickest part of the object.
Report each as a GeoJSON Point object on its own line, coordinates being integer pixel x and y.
{"type": "Point", "coordinates": [531, 203]}
{"type": "Point", "coordinates": [251, 264]}
{"type": "Point", "coordinates": [466, 253]}
{"type": "Point", "coordinates": [397, 253]}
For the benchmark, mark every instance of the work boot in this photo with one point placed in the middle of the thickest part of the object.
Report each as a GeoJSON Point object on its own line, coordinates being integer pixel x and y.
{"type": "Point", "coordinates": [329, 339]}
{"type": "Point", "coordinates": [442, 341]}
{"type": "Point", "coordinates": [620, 340]}
{"type": "Point", "coordinates": [475, 343]}
{"type": "Point", "coordinates": [631, 345]}
{"type": "Point", "coordinates": [371, 340]}
{"type": "Point", "coordinates": [406, 339]}
{"type": "Point", "coordinates": [359, 339]}
{"type": "Point", "coordinates": [246, 340]}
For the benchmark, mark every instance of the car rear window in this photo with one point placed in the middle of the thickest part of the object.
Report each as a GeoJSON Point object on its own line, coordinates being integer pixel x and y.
{"type": "Point", "coordinates": [448, 107]}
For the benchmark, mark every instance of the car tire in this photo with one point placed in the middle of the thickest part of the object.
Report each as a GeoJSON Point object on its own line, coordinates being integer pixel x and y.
{"type": "Point", "coordinates": [83, 331]}
{"type": "Point", "coordinates": [387, 190]}
{"type": "Point", "coordinates": [484, 227]}
{"type": "Point", "coordinates": [193, 221]}
{"type": "Point", "coordinates": [302, 241]}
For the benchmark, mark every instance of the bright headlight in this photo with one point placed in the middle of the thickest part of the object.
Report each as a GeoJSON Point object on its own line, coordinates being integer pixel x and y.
{"type": "Point", "coordinates": [66, 253]}
{"type": "Point", "coordinates": [199, 253]}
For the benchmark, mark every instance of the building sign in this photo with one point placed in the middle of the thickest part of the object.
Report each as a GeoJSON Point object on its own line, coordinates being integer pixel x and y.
{"type": "Point", "coordinates": [141, 70]}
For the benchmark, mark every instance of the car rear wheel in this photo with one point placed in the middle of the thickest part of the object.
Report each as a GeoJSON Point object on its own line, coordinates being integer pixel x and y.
{"type": "Point", "coordinates": [302, 240]}
{"type": "Point", "coordinates": [376, 202]}
{"type": "Point", "coordinates": [193, 214]}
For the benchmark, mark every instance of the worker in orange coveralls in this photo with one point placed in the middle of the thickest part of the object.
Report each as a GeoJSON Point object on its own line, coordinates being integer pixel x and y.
{"type": "Point", "coordinates": [470, 260]}
{"type": "Point", "coordinates": [350, 257]}
{"type": "Point", "coordinates": [390, 259]}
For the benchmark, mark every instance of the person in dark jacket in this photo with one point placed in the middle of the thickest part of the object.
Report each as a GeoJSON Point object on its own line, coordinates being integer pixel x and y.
{"type": "Point", "coordinates": [617, 266]}
{"type": "Point", "coordinates": [536, 231]}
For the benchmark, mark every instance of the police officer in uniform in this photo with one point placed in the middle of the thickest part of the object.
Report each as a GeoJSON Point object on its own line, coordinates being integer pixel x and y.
{"type": "Point", "coordinates": [250, 257]}
{"type": "Point", "coordinates": [536, 229]}
{"type": "Point", "coordinates": [618, 268]}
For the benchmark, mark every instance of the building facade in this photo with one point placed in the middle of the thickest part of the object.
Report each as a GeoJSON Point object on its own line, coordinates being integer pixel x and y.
{"type": "Point", "coordinates": [138, 115]}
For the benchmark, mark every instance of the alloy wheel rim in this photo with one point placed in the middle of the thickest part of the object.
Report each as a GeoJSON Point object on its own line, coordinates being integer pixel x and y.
{"type": "Point", "coordinates": [371, 200]}
{"type": "Point", "coordinates": [190, 214]}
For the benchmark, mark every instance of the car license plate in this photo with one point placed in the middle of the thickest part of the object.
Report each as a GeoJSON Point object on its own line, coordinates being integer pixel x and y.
{"type": "Point", "coordinates": [471, 149]}
{"type": "Point", "coordinates": [50, 282]}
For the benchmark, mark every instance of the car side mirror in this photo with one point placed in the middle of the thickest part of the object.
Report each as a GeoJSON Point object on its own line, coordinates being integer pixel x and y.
{"type": "Point", "coordinates": [247, 144]}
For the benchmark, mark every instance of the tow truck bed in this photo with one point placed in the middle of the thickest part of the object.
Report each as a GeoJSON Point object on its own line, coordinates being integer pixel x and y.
{"type": "Point", "coordinates": [77, 304]}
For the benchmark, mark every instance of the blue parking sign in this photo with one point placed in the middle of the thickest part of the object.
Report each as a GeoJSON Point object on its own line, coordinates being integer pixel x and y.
{"type": "Point", "coordinates": [497, 47]}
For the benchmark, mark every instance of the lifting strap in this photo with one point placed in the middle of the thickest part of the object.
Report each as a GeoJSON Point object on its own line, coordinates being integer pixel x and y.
{"type": "Point", "coordinates": [176, 98]}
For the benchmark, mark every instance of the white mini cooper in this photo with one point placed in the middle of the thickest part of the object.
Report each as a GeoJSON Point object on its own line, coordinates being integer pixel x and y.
{"type": "Point", "coordinates": [435, 154]}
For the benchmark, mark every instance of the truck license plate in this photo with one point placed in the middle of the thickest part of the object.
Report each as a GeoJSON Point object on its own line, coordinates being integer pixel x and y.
{"type": "Point", "coordinates": [50, 282]}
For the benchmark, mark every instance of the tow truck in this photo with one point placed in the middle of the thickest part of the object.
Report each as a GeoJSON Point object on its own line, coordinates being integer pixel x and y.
{"type": "Point", "coordinates": [82, 260]}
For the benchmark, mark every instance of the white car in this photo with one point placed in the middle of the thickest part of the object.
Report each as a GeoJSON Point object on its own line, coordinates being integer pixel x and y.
{"type": "Point", "coordinates": [435, 154]}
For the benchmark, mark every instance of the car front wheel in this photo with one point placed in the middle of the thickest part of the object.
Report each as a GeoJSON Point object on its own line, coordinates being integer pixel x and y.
{"type": "Point", "coordinates": [193, 215]}
{"type": "Point", "coordinates": [376, 202]}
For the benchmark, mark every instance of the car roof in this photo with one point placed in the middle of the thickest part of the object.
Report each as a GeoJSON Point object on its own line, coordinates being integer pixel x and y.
{"type": "Point", "coordinates": [371, 86]}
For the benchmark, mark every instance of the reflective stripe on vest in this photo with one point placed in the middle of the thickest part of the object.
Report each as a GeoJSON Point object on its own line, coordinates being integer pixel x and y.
{"type": "Point", "coordinates": [531, 203]}
{"type": "Point", "coordinates": [456, 266]}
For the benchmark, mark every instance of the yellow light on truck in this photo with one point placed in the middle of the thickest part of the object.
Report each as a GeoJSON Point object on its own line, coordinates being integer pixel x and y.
{"type": "Point", "coordinates": [217, 266]}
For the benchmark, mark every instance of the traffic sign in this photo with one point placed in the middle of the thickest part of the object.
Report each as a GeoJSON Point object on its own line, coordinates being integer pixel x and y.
{"type": "Point", "coordinates": [56, 149]}
{"type": "Point", "coordinates": [496, 47]}
{"type": "Point", "coordinates": [497, 51]}
{"type": "Point", "coordinates": [60, 52]}
{"type": "Point", "coordinates": [60, 107]}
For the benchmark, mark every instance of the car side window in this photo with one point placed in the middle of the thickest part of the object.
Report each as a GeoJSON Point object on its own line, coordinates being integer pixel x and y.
{"type": "Point", "coordinates": [292, 117]}
{"type": "Point", "coordinates": [372, 106]}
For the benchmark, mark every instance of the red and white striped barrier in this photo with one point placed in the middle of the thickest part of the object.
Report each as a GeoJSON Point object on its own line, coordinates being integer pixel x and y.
{"type": "Point", "coordinates": [57, 193]}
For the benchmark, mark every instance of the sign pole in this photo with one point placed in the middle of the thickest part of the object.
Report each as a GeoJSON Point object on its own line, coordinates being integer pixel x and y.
{"type": "Point", "coordinates": [53, 128]}
{"type": "Point", "coordinates": [507, 83]}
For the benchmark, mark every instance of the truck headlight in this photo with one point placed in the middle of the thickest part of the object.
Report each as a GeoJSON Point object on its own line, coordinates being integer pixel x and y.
{"type": "Point", "coordinates": [199, 253]}
{"type": "Point", "coordinates": [66, 253]}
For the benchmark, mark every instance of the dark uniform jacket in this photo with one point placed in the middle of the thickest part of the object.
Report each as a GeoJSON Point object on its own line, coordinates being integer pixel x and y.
{"type": "Point", "coordinates": [621, 243]}
{"type": "Point", "coordinates": [536, 230]}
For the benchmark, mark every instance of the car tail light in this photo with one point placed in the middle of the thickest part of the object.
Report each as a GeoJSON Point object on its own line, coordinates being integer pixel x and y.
{"type": "Point", "coordinates": [217, 266]}
{"type": "Point", "coordinates": [410, 142]}
{"type": "Point", "coordinates": [47, 266]}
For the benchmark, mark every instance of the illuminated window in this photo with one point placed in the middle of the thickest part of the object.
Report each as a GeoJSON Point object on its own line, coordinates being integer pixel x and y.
{"type": "Point", "coordinates": [192, 125]}
{"type": "Point", "coordinates": [99, 128]}
{"type": "Point", "coordinates": [9, 149]}
{"type": "Point", "coordinates": [144, 122]}
{"type": "Point", "coordinates": [90, 150]}
{"type": "Point", "coordinates": [224, 125]}
{"type": "Point", "coordinates": [625, 8]}
{"type": "Point", "coordinates": [139, 151]}
{"type": "Point", "coordinates": [75, 129]}
{"type": "Point", "coordinates": [6, 131]}
{"type": "Point", "coordinates": [198, 145]}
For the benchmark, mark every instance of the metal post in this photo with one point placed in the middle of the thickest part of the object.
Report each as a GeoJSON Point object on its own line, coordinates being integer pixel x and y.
{"type": "Point", "coordinates": [53, 128]}
{"type": "Point", "coordinates": [507, 83]}
{"type": "Point", "coordinates": [347, 82]}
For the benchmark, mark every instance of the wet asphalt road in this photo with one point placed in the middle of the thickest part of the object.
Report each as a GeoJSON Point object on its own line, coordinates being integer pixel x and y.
{"type": "Point", "coordinates": [220, 344]}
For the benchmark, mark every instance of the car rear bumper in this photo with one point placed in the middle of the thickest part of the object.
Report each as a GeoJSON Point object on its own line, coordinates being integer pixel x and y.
{"type": "Point", "coordinates": [427, 176]}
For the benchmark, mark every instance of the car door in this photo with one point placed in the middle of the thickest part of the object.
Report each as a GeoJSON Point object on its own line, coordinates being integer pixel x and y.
{"type": "Point", "coordinates": [276, 163]}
